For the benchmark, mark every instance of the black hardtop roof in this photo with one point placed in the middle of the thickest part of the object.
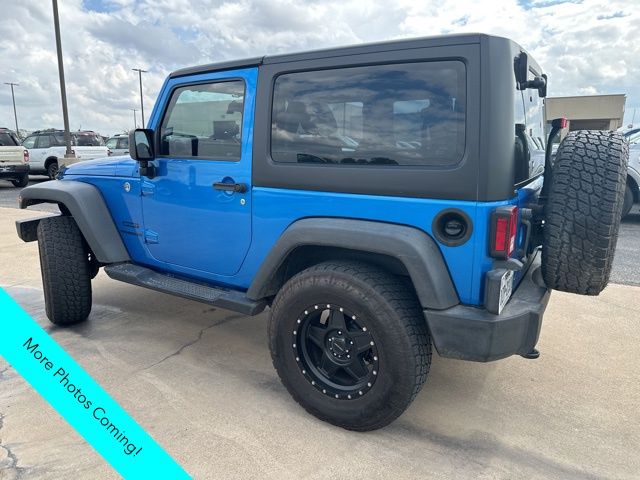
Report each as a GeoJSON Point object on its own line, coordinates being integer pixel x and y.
{"type": "Point", "coordinates": [404, 44]}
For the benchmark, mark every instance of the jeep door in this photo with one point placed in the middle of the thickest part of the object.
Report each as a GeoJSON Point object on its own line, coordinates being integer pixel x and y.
{"type": "Point", "coordinates": [197, 202]}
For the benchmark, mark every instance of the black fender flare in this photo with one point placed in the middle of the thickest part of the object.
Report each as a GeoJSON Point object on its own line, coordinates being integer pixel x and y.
{"type": "Point", "coordinates": [414, 248]}
{"type": "Point", "coordinates": [86, 204]}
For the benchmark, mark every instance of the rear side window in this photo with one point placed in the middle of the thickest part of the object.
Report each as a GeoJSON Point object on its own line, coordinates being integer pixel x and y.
{"type": "Point", "coordinates": [403, 114]}
{"type": "Point", "coordinates": [204, 121]}
{"type": "Point", "coordinates": [57, 140]}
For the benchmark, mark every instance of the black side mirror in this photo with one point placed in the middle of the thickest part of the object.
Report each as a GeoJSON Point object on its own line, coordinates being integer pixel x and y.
{"type": "Point", "coordinates": [141, 144]}
{"type": "Point", "coordinates": [521, 69]}
{"type": "Point", "coordinates": [141, 149]}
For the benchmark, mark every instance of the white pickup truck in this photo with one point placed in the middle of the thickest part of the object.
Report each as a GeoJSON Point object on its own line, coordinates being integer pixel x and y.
{"type": "Point", "coordinates": [14, 159]}
{"type": "Point", "coordinates": [47, 149]}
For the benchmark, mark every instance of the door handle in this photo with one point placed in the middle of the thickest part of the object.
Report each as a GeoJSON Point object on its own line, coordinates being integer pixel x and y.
{"type": "Point", "coordinates": [231, 187]}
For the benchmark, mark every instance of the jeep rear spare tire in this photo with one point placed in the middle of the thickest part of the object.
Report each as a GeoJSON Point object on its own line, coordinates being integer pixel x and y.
{"type": "Point", "coordinates": [583, 211]}
{"type": "Point", "coordinates": [66, 272]}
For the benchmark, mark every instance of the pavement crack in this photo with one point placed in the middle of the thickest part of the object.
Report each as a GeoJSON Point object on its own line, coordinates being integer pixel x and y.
{"type": "Point", "coordinates": [11, 456]}
{"type": "Point", "coordinates": [182, 348]}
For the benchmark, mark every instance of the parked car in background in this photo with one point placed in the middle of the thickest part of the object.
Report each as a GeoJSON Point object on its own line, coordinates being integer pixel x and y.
{"type": "Point", "coordinates": [47, 149]}
{"type": "Point", "coordinates": [14, 159]}
{"type": "Point", "coordinates": [118, 145]}
{"type": "Point", "coordinates": [632, 192]}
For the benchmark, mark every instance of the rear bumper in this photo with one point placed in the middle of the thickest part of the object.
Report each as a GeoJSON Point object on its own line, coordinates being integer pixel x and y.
{"type": "Point", "coordinates": [470, 333]}
{"type": "Point", "coordinates": [13, 171]}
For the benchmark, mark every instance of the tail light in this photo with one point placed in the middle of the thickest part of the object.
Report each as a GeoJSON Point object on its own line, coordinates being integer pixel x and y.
{"type": "Point", "coordinates": [504, 228]}
{"type": "Point", "coordinates": [26, 156]}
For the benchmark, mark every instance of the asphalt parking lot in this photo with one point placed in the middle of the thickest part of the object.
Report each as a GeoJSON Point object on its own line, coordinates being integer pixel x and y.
{"type": "Point", "coordinates": [200, 381]}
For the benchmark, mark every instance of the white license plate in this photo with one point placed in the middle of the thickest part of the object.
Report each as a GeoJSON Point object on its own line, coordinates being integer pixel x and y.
{"type": "Point", "coordinates": [506, 287]}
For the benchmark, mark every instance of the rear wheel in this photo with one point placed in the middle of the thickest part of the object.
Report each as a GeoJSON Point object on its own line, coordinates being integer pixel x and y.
{"type": "Point", "coordinates": [628, 201]}
{"type": "Point", "coordinates": [583, 212]}
{"type": "Point", "coordinates": [21, 182]}
{"type": "Point", "coordinates": [66, 271]}
{"type": "Point", "coordinates": [350, 343]}
{"type": "Point", "coordinates": [52, 170]}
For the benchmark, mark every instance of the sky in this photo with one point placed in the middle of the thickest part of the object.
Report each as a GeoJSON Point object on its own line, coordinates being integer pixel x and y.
{"type": "Point", "coordinates": [586, 47]}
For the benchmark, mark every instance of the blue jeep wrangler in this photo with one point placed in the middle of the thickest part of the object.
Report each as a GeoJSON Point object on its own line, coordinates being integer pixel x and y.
{"type": "Point", "coordinates": [379, 199]}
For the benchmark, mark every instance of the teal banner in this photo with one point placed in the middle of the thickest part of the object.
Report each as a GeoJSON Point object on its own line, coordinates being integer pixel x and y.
{"type": "Point", "coordinates": [79, 399]}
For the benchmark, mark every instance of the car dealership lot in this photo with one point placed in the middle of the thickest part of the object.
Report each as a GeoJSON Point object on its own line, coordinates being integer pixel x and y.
{"type": "Point", "coordinates": [200, 381]}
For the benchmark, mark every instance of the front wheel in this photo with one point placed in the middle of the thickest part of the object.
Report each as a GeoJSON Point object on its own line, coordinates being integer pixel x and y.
{"type": "Point", "coordinates": [349, 342]}
{"type": "Point", "coordinates": [66, 272]}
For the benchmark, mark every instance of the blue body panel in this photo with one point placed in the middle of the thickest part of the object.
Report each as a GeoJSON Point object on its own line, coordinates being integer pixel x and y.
{"type": "Point", "coordinates": [177, 223]}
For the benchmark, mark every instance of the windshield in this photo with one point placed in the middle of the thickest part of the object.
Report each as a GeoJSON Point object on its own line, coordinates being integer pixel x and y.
{"type": "Point", "coordinates": [7, 140]}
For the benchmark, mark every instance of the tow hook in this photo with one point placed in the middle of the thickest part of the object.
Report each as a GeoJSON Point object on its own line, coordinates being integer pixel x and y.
{"type": "Point", "coordinates": [532, 355]}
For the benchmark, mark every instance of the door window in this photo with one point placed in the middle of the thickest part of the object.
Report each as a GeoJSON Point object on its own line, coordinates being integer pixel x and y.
{"type": "Point", "coordinates": [123, 143]}
{"type": "Point", "coordinates": [43, 141]}
{"type": "Point", "coordinates": [204, 122]}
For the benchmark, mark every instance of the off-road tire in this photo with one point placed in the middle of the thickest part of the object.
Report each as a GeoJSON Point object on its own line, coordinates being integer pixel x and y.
{"type": "Point", "coordinates": [583, 212]}
{"type": "Point", "coordinates": [65, 270]}
{"type": "Point", "coordinates": [628, 201]}
{"type": "Point", "coordinates": [21, 182]}
{"type": "Point", "coordinates": [396, 323]}
{"type": "Point", "coordinates": [52, 170]}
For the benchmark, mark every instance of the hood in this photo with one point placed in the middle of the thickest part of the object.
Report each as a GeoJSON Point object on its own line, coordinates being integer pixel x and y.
{"type": "Point", "coordinates": [122, 166]}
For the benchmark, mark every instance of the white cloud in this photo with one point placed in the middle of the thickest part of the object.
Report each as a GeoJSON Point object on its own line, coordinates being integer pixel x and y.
{"type": "Point", "coordinates": [587, 47]}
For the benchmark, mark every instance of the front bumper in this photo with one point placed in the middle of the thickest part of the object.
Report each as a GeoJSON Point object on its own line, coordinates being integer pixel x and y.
{"type": "Point", "coordinates": [13, 171]}
{"type": "Point", "coordinates": [470, 333]}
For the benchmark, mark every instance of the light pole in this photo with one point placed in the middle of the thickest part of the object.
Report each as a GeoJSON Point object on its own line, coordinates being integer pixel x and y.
{"type": "Point", "coordinates": [15, 115]}
{"type": "Point", "coordinates": [135, 122]}
{"type": "Point", "coordinates": [63, 91]}
{"type": "Point", "coordinates": [140, 72]}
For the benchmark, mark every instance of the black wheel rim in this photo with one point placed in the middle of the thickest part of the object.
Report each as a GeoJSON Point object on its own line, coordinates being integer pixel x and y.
{"type": "Point", "coordinates": [336, 351]}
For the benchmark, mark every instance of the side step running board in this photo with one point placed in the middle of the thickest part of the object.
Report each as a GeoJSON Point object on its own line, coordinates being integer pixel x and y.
{"type": "Point", "coordinates": [145, 277]}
